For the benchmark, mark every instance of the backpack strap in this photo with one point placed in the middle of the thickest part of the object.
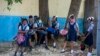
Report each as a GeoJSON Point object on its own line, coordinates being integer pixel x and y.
{"type": "Point", "coordinates": [23, 29]}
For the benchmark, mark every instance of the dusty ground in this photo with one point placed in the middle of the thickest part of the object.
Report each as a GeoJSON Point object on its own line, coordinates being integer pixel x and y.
{"type": "Point", "coordinates": [6, 49]}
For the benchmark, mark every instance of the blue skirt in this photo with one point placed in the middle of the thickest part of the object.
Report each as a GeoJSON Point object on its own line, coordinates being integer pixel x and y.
{"type": "Point", "coordinates": [72, 36]}
{"type": "Point", "coordinates": [89, 40]}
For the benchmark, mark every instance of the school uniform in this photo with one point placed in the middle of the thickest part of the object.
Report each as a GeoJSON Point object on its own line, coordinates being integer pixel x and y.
{"type": "Point", "coordinates": [32, 31]}
{"type": "Point", "coordinates": [40, 25]}
{"type": "Point", "coordinates": [89, 39]}
{"type": "Point", "coordinates": [72, 33]}
{"type": "Point", "coordinates": [24, 28]}
{"type": "Point", "coordinates": [54, 30]}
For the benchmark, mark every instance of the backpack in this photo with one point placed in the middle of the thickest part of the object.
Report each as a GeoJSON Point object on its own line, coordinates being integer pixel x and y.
{"type": "Point", "coordinates": [20, 37]}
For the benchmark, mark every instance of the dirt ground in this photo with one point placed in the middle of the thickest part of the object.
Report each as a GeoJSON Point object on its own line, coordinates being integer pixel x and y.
{"type": "Point", "coordinates": [6, 49]}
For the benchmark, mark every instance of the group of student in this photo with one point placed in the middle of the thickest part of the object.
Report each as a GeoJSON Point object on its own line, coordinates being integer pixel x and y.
{"type": "Point", "coordinates": [35, 28]}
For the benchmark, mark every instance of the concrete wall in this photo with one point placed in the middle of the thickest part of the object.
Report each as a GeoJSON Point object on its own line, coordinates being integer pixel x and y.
{"type": "Point", "coordinates": [10, 19]}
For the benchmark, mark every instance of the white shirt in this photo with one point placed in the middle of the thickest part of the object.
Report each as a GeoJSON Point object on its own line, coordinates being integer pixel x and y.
{"type": "Point", "coordinates": [35, 25]}
{"type": "Point", "coordinates": [57, 26]}
{"type": "Point", "coordinates": [91, 26]}
{"type": "Point", "coordinates": [27, 27]}
{"type": "Point", "coordinates": [76, 26]}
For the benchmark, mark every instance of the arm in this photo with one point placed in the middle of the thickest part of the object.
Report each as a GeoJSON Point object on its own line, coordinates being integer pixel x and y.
{"type": "Point", "coordinates": [90, 29]}
{"type": "Point", "coordinates": [57, 26]}
{"type": "Point", "coordinates": [26, 30]}
{"type": "Point", "coordinates": [77, 27]}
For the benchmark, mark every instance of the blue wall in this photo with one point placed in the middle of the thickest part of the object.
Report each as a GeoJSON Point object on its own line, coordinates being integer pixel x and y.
{"type": "Point", "coordinates": [8, 26]}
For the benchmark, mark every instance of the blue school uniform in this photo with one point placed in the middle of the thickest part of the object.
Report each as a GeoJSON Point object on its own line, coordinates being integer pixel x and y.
{"type": "Point", "coordinates": [72, 34]}
{"type": "Point", "coordinates": [55, 32]}
{"type": "Point", "coordinates": [89, 40]}
{"type": "Point", "coordinates": [26, 42]}
{"type": "Point", "coordinates": [43, 32]}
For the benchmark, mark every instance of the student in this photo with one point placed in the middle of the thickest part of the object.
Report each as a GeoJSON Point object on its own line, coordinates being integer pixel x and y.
{"type": "Point", "coordinates": [89, 35]}
{"type": "Point", "coordinates": [73, 29]}
{"type": "Point", "coordinates": [22, 38]}
{"type": "Point", "coordinates": [32, 31]}
{"type": "Point", "coordinates": [54, 29]}
{"type": "Point", "coordinates": [41, 29]}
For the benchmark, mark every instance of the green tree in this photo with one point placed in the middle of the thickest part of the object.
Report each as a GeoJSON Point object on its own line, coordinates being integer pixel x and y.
{"type": "Point", "coordinates": [10, 3]}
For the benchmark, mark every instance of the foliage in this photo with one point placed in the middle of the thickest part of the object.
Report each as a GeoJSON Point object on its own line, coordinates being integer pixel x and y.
{"type": "Point", "coordinates": [10, 3]}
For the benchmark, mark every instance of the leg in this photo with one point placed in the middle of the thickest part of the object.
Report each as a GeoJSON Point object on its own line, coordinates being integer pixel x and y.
{"type": "Point", "coordinates": [35, 35]}
{"type": "Point", "coordinates": [54, 41]}
{"type": "Point", "coordinates": [64, 46]}
{"type": "Point", "coordinates": [22, 51]}
{"type": "Point", "coordinates": [46, 42]}
{"type": "Point", "coordinates": [72, 46]}
{"type": "Point", "coordinates": [90, 49]}
{"type": "Point", "coordinates": [17, 48]}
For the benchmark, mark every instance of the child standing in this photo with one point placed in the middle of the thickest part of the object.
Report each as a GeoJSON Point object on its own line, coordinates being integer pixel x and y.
{"type": "Point", "coordinates": [89, 35]}
{"type": "Point", "coordinates": [22, 38]}
{"type": "Point", "coordinates": [73, 29]}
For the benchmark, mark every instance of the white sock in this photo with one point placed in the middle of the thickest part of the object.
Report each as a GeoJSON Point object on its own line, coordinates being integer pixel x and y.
{"type": "Point", "coordinates": [72, 51]}
{"type": "Point", "coordinates": [54, 44]}
{"type": "Point", "coordinates": [89, 54]}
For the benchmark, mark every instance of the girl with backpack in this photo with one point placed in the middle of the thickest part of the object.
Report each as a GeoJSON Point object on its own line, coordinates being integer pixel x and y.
{"type": "Point", "coordinates": [22, 38]}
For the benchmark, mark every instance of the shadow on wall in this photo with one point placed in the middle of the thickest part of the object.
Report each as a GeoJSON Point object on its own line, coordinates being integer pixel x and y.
{"type": "Point", "coordinates": [9, 26]}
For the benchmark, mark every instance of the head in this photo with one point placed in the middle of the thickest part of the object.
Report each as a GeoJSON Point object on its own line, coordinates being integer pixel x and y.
{"type": "Point", "coordinates": [72, 18]}
{"type": "Point", "coordinates": [35, 18]}
{"type": "Point", "coordinates": [90, 19]}
{"type": "Point", "coordinates": [24, 22]}
{"type": "Point", "coordinates": [30, 18]}
{"type": "Point", "coordinates": [54, 18]}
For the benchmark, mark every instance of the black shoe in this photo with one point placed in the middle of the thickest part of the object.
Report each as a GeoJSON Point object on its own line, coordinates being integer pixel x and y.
{"type": "Point", "coordinates": [54, 46]}
{"type": "Point", "coordinates": [36, 44]}
{"type": "Point", "coordinates": [46, 47]}
{"type": "Point", "coordinates": [30, 48]}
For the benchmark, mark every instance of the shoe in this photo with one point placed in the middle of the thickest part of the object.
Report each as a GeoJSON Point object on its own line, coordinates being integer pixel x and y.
{"type": "Point", "coordinates": [36, 44]}
{"type": "Point", "coordinates": [30, 48]}
{"type": "Point", "coordinates": [46, 47]}
{"type": "Point", "coordinates": [62, 51]}
{"type": "Point", "coordinates": [89, 54]}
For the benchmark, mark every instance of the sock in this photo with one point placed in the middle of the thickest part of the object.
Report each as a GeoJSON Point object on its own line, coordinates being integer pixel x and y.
{"type": "Point", "coordinates": [54, 44]}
